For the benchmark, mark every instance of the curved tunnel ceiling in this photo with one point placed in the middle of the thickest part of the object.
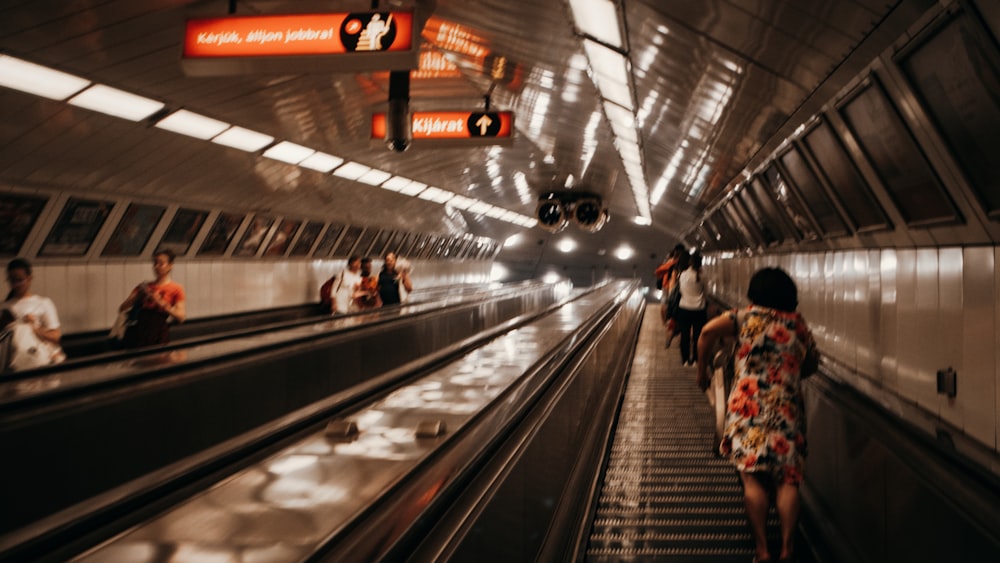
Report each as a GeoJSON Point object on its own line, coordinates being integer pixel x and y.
{"type": "Point", "coordinates": [717, 86]}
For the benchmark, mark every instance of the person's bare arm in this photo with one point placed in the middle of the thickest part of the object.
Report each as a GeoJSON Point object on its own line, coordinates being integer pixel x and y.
{"type": "Point", "coordinates": [717, 328]}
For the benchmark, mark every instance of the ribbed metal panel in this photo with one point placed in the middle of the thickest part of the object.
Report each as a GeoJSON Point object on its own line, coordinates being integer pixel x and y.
{"type": "Point", "coordinates": [666, 495]}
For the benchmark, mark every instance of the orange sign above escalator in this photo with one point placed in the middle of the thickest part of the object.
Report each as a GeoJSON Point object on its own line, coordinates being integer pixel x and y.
{"type": "Point", "coordinates": [482, 126]}
{"type": "Point", "coordinates": [300, 43]}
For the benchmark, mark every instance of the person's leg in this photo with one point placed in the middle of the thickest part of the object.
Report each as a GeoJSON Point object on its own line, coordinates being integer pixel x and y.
{"type": "Point", "coordinates": [684, 328]}
{"type": "Point", "coordinates": [698, 320]}
{"type": "Point", "coordinates": [756, 502]}
{"type": "Point", "coordinates": [787, 504]}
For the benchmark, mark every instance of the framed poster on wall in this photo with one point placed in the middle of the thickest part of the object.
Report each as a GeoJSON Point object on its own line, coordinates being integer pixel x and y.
{"type": "Point", "coordinates": [182, 230]}
{"type": "Point", "coordinates": [840, 172]}
{"type": "Point", "coordinates": [347, 242]}
{"type": "Point", "coordinates": [905, 172]}
{"type": "Point", "coordinates": [253, 237]}
{"type": "Point", "coordinates": [18, 214]}
{"type": "Point", "coordinates": [132, 232]}
{"type": "Point", "coordinates": [954, 70]}
{"type": "Point", "coordinates": [796, 174]}
{"type": "Point", "coordinates": [77, 227]}
{"type": "Point", "coordinates": [773, 182]}
{"type": "Point", "coordinates": [221, 235]}
{"type": "Point", "coordinates": [282, 237]}
{"type": "Point", "coordinates": [330, 238]}
{"type": "Point", "coordinates": [310, 232]}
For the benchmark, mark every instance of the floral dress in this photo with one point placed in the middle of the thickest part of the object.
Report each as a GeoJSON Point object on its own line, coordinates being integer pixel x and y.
{"type": "Point", "coordinates": [765, 419]}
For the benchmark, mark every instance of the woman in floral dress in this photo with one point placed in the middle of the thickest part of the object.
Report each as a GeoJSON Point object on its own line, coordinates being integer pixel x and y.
{"type": "Point", "coordinates": [765, 420]}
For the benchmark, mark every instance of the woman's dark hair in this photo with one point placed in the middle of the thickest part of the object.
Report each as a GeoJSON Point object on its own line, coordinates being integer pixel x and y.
{"type": "Point", "coordinates": [683, 261]}
{"type": "Point", "coordinates": [772, 287]}
{"type": "Point", "coordinates": [166, 252]}
{"type": "Point", "coordinates": [19, 264]}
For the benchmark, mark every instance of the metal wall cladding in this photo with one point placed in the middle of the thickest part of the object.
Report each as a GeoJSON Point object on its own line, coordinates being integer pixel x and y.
{"type": "Point", "coordinates": [87, 296]}
{"type": "Point", "coordinates": [890, 319]}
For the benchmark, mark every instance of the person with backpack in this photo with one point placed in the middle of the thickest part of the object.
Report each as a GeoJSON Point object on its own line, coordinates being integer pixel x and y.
{"type": "Point", "coordinates": [666, 278]}
{"type": "Point", "coordinates": [336, 294]}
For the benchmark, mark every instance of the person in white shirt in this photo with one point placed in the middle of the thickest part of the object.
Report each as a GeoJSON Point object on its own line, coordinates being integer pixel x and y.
{"type": "Point", "coordinates": [344, 286]}
{"type": "Point", "coordinates": [30, 323]}
{"type": "Point", "coordinates": [692, 312]}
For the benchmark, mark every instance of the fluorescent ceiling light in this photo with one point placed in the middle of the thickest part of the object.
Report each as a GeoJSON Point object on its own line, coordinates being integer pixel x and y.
{"type": "Point", "coordinates": [436, 194]}
{"type": "Point", "coordinates": [115, 102]}
{"type": "Point", "coordinates": [288, 152]}
{"type": "Point", "coordinates": [351, 170]}
{"type": "Point", "coordinates": [322, 162]}
{"type": "Point", "coordinates": [625, 133]}
{"type": "Point", "coordinates": [624, 252]}
{"type": "Point", "coordinates": [480, 207]}
{"type": "Point", "coordinates": [619, 115]}
{"type": "Point", "coordinates": [566, 245]}
{"type": "Point", "coordinates": [607, 63]}
{"type": "Point", "coordinates": [599, 19]}
{"type": "Point", "coordinates": [616, 92]}
{"type": "Point", "coordinates": [192, 124]}
{"type": "Point", "coordinates": [630, 154]}
{"type": "Point", "coordinates": [513, 240]}
{"type": "Point", "coordinates": [39, 80]}
{"type": "Point", "coordinates": [374, 177]}
{"type": "Point", "coordinates": [396, 183]}
{"type": "Point", "coordinates": [413, 188]}
{"type": "Point", "coordinates": [243, 139]}
{"type": "Point", "coordinates": [461, 202]}
{"type": "Point", "coordinates": [512, 217]}
{"type": "Point", "coordinates": [495, 212]}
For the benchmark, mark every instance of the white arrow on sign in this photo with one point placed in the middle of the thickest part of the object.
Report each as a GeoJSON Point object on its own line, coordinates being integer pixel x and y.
{"type": "Point", "coordinates": [484, 123]}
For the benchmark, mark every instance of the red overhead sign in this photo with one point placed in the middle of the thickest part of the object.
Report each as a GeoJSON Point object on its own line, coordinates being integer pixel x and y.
{"type": "Point", "coordinates": [300, 43]}
{"type": "Point", "coordinates": [488, 126]}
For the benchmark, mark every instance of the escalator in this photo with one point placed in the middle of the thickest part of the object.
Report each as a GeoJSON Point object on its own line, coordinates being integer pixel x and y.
{"type": "Point", "coordinates": [666, 495]}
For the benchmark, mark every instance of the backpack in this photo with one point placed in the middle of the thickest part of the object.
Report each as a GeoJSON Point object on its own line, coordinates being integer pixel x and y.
{"type": "Point", "coordinates": [326, 290]}
{"type": "Point", "coordinates": [673, 300]}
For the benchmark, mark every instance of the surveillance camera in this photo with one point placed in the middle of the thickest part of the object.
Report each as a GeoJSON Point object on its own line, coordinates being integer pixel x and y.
{"type": "Point", "coordinates": [397, 145]}
{"type": "Point", "coordinates": [589, 215]}
{"type": "Point", "coordinates": [551, 215]}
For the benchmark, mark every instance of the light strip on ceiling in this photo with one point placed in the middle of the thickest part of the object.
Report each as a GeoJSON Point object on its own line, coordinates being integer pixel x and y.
{"type": "Point", "coordinates": [436, 195]}
{"type": "Point", "coordinates": [289, 152]}
{"type": "Point", "coordinates": [396, 183]}
{"type": "Point", "coordinates": [53, 84]}
{"type": "Point", "coordinates": [116, 103]}
{"type": "Point", "coordinates": [322, 162]}
{"type": "Point", "coordinates": [39, 80]}
{"type": "Point", "coordinates": [374, 177]}
{"type": "Point", "coordinates": [607, 55]}
{"type": "Point", "coordinates": [461, 202]}
{"type": "Point", "coordinates": [192, 124]}
{"type": "Point", "coordinates": [243, 139]}
{"type": "Point", "coordinates": [593, 17]}
{"type": "Point", "coordinates": [351, 170]}
{"type": "Point", "coordinates": [413, 188]}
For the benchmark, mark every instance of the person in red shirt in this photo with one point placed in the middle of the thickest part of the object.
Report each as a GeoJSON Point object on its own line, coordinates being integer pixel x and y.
{"type": "Point", "coordinates": [156, 303]}
{"type": "Point", "coordinates": [667, 274]}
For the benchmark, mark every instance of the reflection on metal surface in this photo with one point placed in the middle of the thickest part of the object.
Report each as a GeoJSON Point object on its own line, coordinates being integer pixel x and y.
{"type": "Point", "coordinates": [282, 508]}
